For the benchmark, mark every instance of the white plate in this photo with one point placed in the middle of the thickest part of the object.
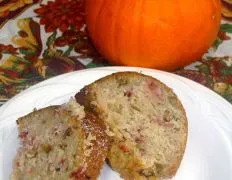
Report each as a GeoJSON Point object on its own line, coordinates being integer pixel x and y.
{"type": "Point", "coordinates": [208, 153]}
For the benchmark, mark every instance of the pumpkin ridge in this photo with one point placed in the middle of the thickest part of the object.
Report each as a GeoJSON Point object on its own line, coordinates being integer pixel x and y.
{"type": "Point", "coordinates": [98, 14]}
{"type": "Point", "coordinates": [141, 27]}
{"type": "Point", "coordinates": [115, 50]}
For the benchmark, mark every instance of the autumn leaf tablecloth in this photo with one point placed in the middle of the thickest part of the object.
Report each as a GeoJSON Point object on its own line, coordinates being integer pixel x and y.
{"type": "Point", "coordinates": [42, 39]}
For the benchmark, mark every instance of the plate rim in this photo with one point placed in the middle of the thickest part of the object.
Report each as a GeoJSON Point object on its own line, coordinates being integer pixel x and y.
{"type": "Point", "coordinates": [114, 68]}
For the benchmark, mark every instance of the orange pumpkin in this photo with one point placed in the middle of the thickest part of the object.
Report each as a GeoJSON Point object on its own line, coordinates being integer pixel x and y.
{"type": "Point", "coordinates": [153, 33]}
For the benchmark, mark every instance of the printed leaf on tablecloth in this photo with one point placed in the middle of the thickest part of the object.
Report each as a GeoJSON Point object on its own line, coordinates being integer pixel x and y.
{"type": "Point", "coordinates": [28, 38]}
{"type": "Point", "coordinates": [226, 10]}
{"type": "Point", "coordinates": [21, 60]}
{"type": "Point", "coordinates": [9, 9]}
{"type": "Point", "coordinates": [62, 64]}
{"type": "Point", "coordinates": [62, 15]}
{"type": "Point", "coordinates": [227, 28]}
{"type": "Point", "coordinates": [215, 73]}
{"type": "Point", "coordinates": [222, 35]}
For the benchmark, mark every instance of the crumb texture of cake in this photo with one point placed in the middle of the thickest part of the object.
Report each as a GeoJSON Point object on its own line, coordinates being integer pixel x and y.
{"type": "Point", "coordinates": [146, 120]}
{"type": "Point", "coordinates": [60, 142]}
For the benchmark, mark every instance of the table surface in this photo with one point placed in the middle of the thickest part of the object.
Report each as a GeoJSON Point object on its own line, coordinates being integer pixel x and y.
{"type": "Point", "coordinates": [39, 41]}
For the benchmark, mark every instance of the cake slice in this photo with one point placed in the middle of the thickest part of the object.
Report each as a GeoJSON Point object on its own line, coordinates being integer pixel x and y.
{"type": "Point", "coordinates": [145, 120]}
{"type": "Point", "coordinates": [59, 143]}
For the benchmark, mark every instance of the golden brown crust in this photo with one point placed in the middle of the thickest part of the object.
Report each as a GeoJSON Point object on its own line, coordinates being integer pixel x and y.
{"type": "Point", "coordinates": [87, 95]}
{"type": "Point", "coordinates": [175, 167]}
{"type": "Point", "coordinates": [100, 146]}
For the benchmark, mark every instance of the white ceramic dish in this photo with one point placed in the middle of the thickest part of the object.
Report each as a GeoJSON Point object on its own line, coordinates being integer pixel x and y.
{"type": "Point", "coordinates": [208, 153]}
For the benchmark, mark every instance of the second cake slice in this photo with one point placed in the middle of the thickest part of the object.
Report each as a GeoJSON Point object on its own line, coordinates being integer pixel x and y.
{"type": "Point", "coordinates": [146, 121]}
